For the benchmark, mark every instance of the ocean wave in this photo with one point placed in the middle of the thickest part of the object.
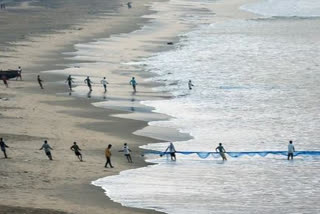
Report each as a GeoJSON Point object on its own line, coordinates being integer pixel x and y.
{"type": "Point", "coordinates": [285, 8]}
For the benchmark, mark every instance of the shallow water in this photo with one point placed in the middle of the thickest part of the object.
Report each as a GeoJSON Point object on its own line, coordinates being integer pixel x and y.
{"type": "Point", "coordinates": [256, 88]}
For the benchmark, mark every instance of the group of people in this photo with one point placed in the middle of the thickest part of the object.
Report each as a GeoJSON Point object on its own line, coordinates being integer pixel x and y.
{"type": "Point", "coordinates": [76, 149]}
{"type": "Point", "coordinates": [87, 81]}
{"type": "Point", "coordinates": [220, 149]}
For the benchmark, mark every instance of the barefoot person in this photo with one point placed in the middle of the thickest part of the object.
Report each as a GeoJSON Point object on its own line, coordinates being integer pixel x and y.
{"type": "Point", "coordinates": [40, 81]}
{"type": "Point", "coordinates": [104, 82]}
{"type": "Point", "coordinates": [222, 151]}
{"type": "Point", "coordinates": [190, 85]}
{"type": "Point", "coordinates": [19, 73]}
{"type": "Point", "coordinates": [70, 81]}
{"type": "Point", "coordinates": [3, 147]}
{"type": "Point", "coordinates": [134, 83]}
{"type": "Point", "coordinates": [88, 82]}
{"type": "Point", "coordinates": [108, 156]}
{"type": "Point", "coordinates": [47, 149]}
{"type": "Point", "coordinates": [76, 150]}
{"type": "Point", "coordinates": [291, 150]}
{"type": "Point", "coordinates": [172, 151]}
{"type": "Point", "coordinates": [127, 152]}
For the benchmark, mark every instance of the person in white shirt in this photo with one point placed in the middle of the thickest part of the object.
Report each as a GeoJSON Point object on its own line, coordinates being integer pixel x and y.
{"type": "Point", "coordinates": [127, 152]}
{"type": "Point", "coordinates": [172, 152]}
{"type": "Point", "coordinates": [19, 73]}
{"type": "Point", "coordinates": [291, 150]}
{"type": "Point", "coordinates": [104, 82]}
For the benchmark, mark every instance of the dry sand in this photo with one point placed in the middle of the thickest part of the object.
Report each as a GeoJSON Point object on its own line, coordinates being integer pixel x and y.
{"type": "Point", "coordinates": [30, 115]}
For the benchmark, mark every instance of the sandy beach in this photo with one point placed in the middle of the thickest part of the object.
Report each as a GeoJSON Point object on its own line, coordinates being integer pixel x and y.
{"type": "Point", "coordinates": [30, 183]}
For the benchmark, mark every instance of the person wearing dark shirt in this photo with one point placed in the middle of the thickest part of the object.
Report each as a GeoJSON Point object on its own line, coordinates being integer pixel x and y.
{"type": "Point", "coordinates": [88, 82]}
{"type": "Point", "coordinates": [222, 151]}
{"type": "Point", "coordinates": [76, 150]}
{"type": "Point", "coordinates": [3, 147]}
{"type": "Point", "coordinates": [70, 81]}
{"type": "Point", "coordinates": [40, 81]}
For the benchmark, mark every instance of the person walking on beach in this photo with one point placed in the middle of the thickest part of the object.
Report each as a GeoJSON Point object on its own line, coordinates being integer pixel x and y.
{"type": "Point", "coordinates": [3, 147]}
{"type": "Point", "coordinates": [134, 83]}
{"type": "Point", "coordinates": [129, 4]}
{"type": "Point", "coordinates": [190, 85]}
{"type": "Point", "coordinates": [40, 81]}
{"type": "Point", "coordinates": [70, 81]}
{"type": "Point", "coordinates": [19, 73]}
{"type": "Point", "coordinates": [108, 156]}
{"type": "Point", "coordinates": [127, 152]}
{"type": "Point", "coordinates": [172, 151]}
{"type": "Point", "coordinates": [76, 150]}
{"type": "Point", "coordinates": [291, 150]}
{"type": "Point", "coordinates": [88, 82]}
{"type": "Point", "coordinates": [222, 151]}
{"type": "Point", "coordinates": [104, 82]}
{"type": "Point", "coordinates": [47, 149]}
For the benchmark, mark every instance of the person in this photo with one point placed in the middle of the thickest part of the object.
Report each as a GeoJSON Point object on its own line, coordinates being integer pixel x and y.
{"type": "Point", "coordinates": [69, 81]}
{"type": "Point", "coordinates": [126, 152]}
{"type": "Point", "coordinates": [88, 81]}
{"type": "Point", "coordinates": [104, 82]}
{"type": "Point", "coordinates": [134, 83]}
{"type": "Point", "coordinates": [19, 73]}
{"type": "Point", "coordinates": [47, 149]}
{"type": "Point", "coordinates": [222, 151]}
{"type": "Point", "coordinates": [190, 85]}
{"type": "Point", "coordinates": [40, 81]}
{"type": "Point", "coordinates": [76, 150]}
{"type": "Point", "coordinates": [291, 150]}
{"type": "Point", "coordinates": [108, 156]}
{"type": "Point", "coordinates": [3, 146]}
{"type": "Point", "coordinates": [129, 4]}
{"type": "Point", "coordinates": [172, 151]}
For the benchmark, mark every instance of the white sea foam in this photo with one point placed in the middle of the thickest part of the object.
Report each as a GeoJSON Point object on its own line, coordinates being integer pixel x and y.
{"type": "Point", "coordinates": [256, 87]}
{"type": "Point", "coordinates": [285, 8]}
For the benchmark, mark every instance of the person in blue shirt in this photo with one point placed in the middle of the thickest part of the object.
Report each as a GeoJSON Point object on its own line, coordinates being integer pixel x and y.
{"type": "Point", "coordinates": [47, 149]}
{"type": "Point", "coordinates": [134, 83]}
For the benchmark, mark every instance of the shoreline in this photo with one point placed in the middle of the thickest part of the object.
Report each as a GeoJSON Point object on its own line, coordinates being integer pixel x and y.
{"type": "Point", "coordinates": [92, 124]}
{"type": "Point", "coordinates": [49, 103]}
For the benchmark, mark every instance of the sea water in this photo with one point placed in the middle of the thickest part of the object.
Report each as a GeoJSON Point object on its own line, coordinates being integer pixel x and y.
{"type": "Point", "coordinates": [256, 86]}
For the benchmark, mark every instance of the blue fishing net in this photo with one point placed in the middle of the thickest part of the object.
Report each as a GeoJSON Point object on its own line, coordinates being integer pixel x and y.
{"type": "Point", "coordinates": [205, 155]}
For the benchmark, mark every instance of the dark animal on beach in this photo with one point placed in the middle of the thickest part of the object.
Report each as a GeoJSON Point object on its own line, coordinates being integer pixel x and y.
{"type": "Point", "coordinates": [8, 74]}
